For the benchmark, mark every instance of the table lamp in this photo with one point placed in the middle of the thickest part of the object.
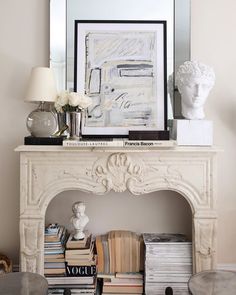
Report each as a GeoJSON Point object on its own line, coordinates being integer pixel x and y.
{"type": "Point", "coordinates": [41, 88]}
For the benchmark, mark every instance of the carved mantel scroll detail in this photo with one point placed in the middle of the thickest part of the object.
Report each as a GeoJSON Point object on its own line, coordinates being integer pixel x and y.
{"type": "Point", "coordinates": [117, 171]}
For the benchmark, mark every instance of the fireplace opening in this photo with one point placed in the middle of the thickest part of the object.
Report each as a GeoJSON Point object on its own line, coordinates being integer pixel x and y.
{"type": "Point", "coordinates": [157, 212]}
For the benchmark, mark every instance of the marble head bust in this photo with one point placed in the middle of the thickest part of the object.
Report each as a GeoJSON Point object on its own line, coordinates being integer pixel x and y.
{"type": "Point", "coordinates": [194, 81]}
{"type": "Point", "coordinates": [79, 220]}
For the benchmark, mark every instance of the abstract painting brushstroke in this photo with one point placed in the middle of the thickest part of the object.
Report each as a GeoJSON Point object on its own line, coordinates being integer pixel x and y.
{"type": "Point", "coordinates": [121, 72]}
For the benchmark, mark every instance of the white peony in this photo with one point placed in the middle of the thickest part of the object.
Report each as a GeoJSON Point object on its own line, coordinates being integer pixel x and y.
{"type": "Point", "coordinates": [73, 99]}
{"type": "Point", "coordinates": [63, 98]}
{"type": "Point", "coordinates": [61, 101]}
{"type": "Point", "coordinates": [71, 102]}
{"type": "Point", "coordinates": [85, 101]}
{"type": "Point", "coordinates": [80, 100]}
{"type": "Point", "coordinates": [58, 107]}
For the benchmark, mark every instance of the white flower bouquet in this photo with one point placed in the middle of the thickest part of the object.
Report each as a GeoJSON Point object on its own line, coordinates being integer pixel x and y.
{"type": "Point", "coordinates": [72, 102]}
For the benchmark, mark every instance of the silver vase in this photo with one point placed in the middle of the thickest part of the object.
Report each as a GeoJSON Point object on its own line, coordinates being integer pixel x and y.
{"type": "Point", "coordinates": [62, 127]}
{"type": "Point", "coordinates": [73, 121]}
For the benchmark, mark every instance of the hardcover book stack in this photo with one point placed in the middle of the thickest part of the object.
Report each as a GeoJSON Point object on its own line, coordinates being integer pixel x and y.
{"type": "Point", "coordinates": [54, 249]}
{"type": "Point", "coordinates": [119, 262]}
{"type": "Point", "coordinates": [118, 251]}
{"type": "Point", "coordinates": [123, 283]}
{"type": "Point", "coordinates": [80, 266]}
{"type": "Point", "coordinates": [168, 263]}
{"type": "Point", "coordinates": [74, 285]}
{"type": "Point", "coordinates": [80, 252]}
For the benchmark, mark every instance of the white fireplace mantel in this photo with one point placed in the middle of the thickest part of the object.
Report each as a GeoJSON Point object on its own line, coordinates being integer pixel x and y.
{"type": "Point", "coordinates": [45, 171]}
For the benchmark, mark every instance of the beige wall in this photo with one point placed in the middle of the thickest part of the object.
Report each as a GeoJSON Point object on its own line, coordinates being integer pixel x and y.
{"type": "Point", "coordinates": [24, 27]}
{"type": "Point", "coordinates": [214, 42]}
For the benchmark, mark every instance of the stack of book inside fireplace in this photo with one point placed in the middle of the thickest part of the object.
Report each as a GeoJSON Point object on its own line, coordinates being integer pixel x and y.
{"type": "Point", "coordinates": [80, 252]}
{"type": "Point", "coordinates": [72, 285]}
{"type": "Point", "coordinates": [54, 249]}
{"type": "Point", "coordinates": [123, 283]}
{"type": "Point", "coordinates": [118, 251]}
{"type": "Point", "coordinates": [168, 263]}
{"type": "Point", "coordinates": [120, 262]}
{"type": "Point", "coordinates": [70, 265]}
{"type": "Point", "coordinates": [81, 268]}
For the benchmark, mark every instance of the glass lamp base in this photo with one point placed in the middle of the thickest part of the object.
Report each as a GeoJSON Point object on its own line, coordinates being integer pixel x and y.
{"type": "Point", "coordinates": [41, 123]}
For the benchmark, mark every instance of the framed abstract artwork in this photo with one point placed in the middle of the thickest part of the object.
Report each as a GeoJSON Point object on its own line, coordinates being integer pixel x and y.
{"type": "Point", "coordinates": [121, 65]}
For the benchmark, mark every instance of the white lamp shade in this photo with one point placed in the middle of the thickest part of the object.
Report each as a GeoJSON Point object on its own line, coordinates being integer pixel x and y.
{"type": "Point", "coordinates": [42, 86]}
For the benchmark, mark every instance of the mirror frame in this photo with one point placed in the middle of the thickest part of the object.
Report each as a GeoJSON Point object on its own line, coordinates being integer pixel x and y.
{"type": "Point", "coordinates": [181, 47]}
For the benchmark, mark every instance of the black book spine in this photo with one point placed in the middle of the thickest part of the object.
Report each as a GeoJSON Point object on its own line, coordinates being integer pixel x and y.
{"type": "Point", "coordinates": [31, 140]}
{"type": "Point", "coordinates": [149, 135]}
{"type": "Point", "coordinates": [80, 270]}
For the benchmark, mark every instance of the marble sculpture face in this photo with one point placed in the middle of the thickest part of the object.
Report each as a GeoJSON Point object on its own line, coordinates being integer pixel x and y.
{"type": "Point", "coordinates": [194, 81]}
{"type": "Point", "coordinates": [195, 92]}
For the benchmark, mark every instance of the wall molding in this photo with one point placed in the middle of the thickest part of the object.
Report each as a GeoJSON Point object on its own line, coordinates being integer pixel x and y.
{"type": "Point", "coordinates": [226, 266]}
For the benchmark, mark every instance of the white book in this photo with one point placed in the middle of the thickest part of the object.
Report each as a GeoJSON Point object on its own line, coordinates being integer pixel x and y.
{"type": "Point", "coordinates": [171, 268]}
{"type": "Point", "coordinates": [149, 143]}
{"type": "Point", "coordinates": [69, 280]}
{"type": "Point", "coordinates": [167, 279]}
{"type": "Point", "coordinates": [159, 288]}
{"type": "Point", "coordinates": [119, 143]}
{"type": "Point", "coordinates": [90, 143]}
{"type": "Point", "coordinates": [169, 259]}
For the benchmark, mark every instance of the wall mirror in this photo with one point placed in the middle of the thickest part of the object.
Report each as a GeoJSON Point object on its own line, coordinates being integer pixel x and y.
{"type": "Point", "coordinates": [63, 14]}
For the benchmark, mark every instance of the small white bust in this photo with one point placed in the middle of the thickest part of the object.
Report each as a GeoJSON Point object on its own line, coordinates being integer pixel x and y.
{"type": "Point", "coordinates": [79, 220]}
{"type": "Point", "coordinates": [194, 81]}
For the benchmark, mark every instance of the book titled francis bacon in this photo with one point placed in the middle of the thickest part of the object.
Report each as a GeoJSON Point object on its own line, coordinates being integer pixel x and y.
{"type": "Point", "coordinates": [120, 143]}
